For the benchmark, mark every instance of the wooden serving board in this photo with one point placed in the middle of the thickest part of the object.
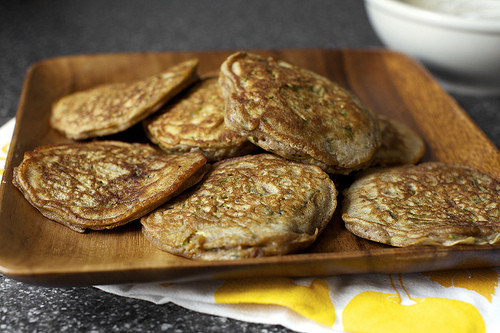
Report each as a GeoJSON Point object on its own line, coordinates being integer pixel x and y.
{"type": "Point", "coordinates": [37, 250]}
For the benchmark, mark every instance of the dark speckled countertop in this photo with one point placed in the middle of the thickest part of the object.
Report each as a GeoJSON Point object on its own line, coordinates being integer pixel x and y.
{"type": "Point", "coordinates": [32, 30]}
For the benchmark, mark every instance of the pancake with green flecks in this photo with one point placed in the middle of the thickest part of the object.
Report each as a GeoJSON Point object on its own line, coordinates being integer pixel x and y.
{"type": "Point", "coordinates": [297, 114]}
{"type": "Point", "coordinates": [431, 203]}
{"type": "Point", "coordinates": [400, 144]}
{"type": "Point", "coordinates": [112, 108]}
{"type": "Point", "coordinates": [195, 122]}
{"type": "Point", "coordinates": [103, 184]}
{"type": "Point", "coordinates": [245, 207]}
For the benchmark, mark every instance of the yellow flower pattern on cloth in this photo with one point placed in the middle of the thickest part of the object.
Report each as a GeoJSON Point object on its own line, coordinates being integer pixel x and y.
{"type": "Point", "coordinates": [4, 149]}
{"type": "Point", "coordinates": [6, 131]}
{"type": "Point", "coordinates": [312, 302]}
{"type": "Point", "coordinates": [393, 312]}
{"type": "Point", "coordinates": [483, 281]}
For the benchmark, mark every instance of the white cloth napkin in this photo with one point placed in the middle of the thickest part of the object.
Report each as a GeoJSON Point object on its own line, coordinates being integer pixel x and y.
{"type": "Point", "coordinates": [6, 132]}
{"type": "Point", "coordinates": [449, 301]}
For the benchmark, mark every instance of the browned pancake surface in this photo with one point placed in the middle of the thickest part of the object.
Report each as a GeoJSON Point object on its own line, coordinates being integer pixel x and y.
{"type": "Point", "coordinates": [195, 122]}
{"type": "Point", "coordinates": [101, 185]}
{"type": "Point", "coordinates": [249, 206]}
{"type": "Point", "coordinates": [112, 108]}
{"type": "Point", "coordinates": [400, 144]}
{"type": "Point", "coordinates": [430, 203]}
{"type": "Point", "coordinates": [297, 114]}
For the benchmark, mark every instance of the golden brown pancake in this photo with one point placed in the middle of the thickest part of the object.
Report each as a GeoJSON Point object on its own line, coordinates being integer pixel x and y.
{"type": "Point", "coordinates": [297, 114]}
{"type": "Point", "coordinates": [195, 122]}
{"type": "Point", "coordinates": [103, 184]}
{"type": "Point", "coordinates": [431, 203]}
{"type": "Point", "coordinates": [112, 108]}
{"type": "Point", "coordinates": [400, 144]}
{"type": "Point", "coordinates": [249, 206]}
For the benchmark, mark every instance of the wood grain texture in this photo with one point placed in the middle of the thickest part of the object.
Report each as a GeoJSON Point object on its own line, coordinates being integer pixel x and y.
{"type": "Point", "coordinates": [39, 251]}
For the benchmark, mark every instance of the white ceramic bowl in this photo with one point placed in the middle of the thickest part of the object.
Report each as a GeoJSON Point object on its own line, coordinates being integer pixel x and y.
{"type": "Point", "coordinates": [462, 52]}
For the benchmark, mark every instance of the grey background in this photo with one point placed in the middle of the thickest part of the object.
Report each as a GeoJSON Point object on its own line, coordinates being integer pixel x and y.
{"type": "Point", "coordinates": [34, 30]}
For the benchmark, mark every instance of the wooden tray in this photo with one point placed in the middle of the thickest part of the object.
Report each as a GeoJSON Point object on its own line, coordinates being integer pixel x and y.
{"type": "Point", "coordinates": [36, 250]}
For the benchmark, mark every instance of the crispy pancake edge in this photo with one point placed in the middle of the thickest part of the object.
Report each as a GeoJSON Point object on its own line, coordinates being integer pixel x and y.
{"type": "Point", "coordinates": [162, 233]}
{"type": "Point", "coordinates": [450, 229]}
{"type": "Point", "coordinates": [64, 215]}
{"type": "Point", "coordinates": [400, 144]}
{"type": "Point", "coordinates": [198, 105]}
{"type": "Point", "coordinates": [93, 128]}
{"type": "Point", "coordinates": [262, 118]}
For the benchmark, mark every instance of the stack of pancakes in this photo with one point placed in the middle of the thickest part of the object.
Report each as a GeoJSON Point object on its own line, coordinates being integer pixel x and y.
{"type": "Point", "coordinates": [242, 164]}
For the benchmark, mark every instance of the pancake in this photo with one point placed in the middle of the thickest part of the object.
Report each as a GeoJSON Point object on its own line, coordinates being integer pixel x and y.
{"type": "Point", "coordinates": [195, 122]}
{"type": "Point", "coordinates": [431, 203]}
{"type": "Point", "coordinates": [297, 114]}
{"type": "Point", "coordinates": [103, 184]}
{"type": "Point", "coordinates": [400, 144]}
{"type": "Point", "coordinates": [112, 108]}
{"type": "Point", "coordinates": [245, 207]}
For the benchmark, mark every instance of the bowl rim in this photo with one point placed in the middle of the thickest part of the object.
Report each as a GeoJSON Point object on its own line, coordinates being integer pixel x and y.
{"type": "Point", "coordinates": [444, 20]}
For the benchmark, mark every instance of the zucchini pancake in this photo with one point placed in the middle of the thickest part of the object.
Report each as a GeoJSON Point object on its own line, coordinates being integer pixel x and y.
{"type": "Point", "coordinates": [400, 144]}
{"type": "Point", "coordinates": [297, 114]}
{"type": "Point", "coordinates": [195, 122]}
{"type": "Point", "coordinates": [433, 203]}
{"type": "Point", "coordinates": [103, 184]}
{"type": "Point", "coordinates": [245, 207]}
{"type": "Point", "coordinates": [112, 108]}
